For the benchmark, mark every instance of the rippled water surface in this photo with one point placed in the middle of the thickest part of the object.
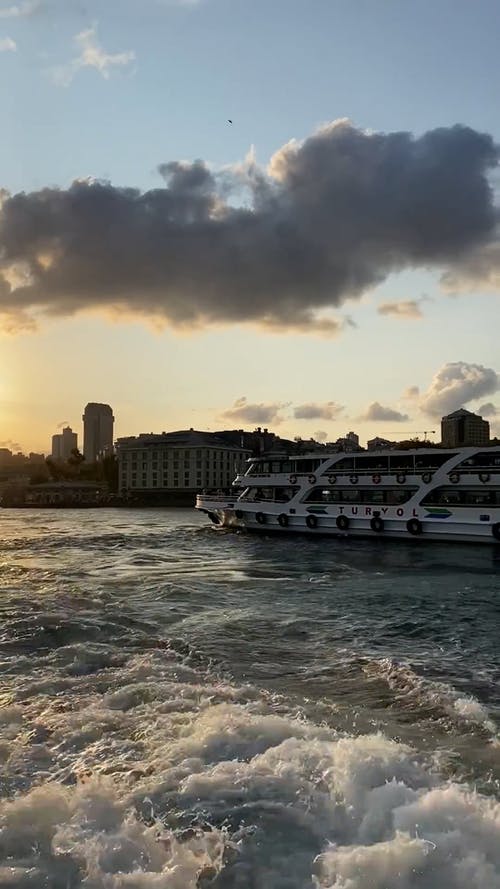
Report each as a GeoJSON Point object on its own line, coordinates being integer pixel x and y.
{"type": "Point", "coordinates": [184, 707]}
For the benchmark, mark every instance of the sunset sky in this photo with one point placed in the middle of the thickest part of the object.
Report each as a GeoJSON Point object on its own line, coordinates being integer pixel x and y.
{"type": "Point", "coordinates": [328, 261]}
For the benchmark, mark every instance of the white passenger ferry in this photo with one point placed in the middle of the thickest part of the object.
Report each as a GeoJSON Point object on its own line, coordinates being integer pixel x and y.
{"type": "Point", "coordinates": [433, 493]}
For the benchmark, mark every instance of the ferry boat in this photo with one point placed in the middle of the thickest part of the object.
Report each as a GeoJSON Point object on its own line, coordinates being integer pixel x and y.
{"type": "Point", "coordinates": [427, 494]}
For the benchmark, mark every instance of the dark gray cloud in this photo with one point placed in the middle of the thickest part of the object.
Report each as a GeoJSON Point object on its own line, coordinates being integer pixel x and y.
{"type": "Point", "coordinates": [320, 435]}
{"type": "Point", "coordinates": [378, 412]}
{"type": "Point", "coordinates": [331, 217]}
{"type": "Point", "coordinates": [489, 410]}
{"type": "Point", "coordinates": [312, 411]}
{"type": "Point", "coordinates": [477, 269]}
{"type": "Point", "coordinates": [457, 383]}
{"type": "Point", "coordinates": [243, 412]}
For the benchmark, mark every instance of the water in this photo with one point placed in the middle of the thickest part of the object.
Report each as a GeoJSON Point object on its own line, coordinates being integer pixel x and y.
{"type": "Point", "coordinates": [184, 707]}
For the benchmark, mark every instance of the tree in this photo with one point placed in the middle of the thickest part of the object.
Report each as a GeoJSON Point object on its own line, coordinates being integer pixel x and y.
{"type": "Point", "coordinates": [75, 460]}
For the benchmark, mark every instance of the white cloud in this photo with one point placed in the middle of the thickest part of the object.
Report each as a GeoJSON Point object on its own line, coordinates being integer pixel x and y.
{"type": "Point", "coordinates": [7, 44]}
{"type": "Point", "coordinates": [411, 393]}
{"type": "Point", "coordinates": [19, 10]}
{"type": "Point", "coordinates": [455, 384]}
{"type": "Point", "coordinates": [409, 308]}
{"type": "Point", "coordinates": [92, 55]}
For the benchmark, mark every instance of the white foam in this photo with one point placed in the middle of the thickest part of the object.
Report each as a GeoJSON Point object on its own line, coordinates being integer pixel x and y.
{"type": "Point", "coordinates": [152, 775]}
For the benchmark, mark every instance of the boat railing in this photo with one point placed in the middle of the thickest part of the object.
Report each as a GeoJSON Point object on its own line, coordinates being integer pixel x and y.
{"type": "Point", "coordinates": [217, 496]}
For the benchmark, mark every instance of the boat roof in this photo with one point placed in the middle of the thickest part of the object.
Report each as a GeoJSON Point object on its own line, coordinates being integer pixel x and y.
{"type": "Point", "coordinates": [379, 452]}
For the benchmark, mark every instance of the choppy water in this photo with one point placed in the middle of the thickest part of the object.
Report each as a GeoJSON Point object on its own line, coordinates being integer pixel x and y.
{"type": "Point", "coordinates": [183, 708]}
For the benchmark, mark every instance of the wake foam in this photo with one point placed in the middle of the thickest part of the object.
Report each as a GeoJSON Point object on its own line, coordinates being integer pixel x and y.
{"type": "Point", "coordinates": [150, 774]}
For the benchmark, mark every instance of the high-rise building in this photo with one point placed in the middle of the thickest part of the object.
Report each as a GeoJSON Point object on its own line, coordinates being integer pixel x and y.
{"type": "Point", "coordinates": [98, 422]}
{"type": "Point", "coordinates": [63, 443]}
{"type": "Point", "coordinates": [462, 428]}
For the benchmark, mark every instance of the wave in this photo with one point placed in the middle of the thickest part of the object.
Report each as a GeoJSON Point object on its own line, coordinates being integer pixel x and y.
{"type": "Point", "coordinates": [416, 692]}
{"type": "Point", "coordinates": [151, 773]}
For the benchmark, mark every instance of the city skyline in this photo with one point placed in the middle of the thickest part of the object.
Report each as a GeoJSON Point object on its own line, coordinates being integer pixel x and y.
{"type": "Point", "coordinates": [327, 260]}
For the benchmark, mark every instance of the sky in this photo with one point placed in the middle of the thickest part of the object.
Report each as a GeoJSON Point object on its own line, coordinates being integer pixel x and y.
{"type": "Point", "coordinates": [224, 214]}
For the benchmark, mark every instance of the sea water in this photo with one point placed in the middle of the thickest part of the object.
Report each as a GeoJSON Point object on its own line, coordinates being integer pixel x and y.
{"type": "Point", "coordinates": [184, 707]}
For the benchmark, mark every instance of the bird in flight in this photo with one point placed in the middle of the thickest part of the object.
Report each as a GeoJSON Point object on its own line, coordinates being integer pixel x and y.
{"type": "Point", "coordinates": [229, 121]}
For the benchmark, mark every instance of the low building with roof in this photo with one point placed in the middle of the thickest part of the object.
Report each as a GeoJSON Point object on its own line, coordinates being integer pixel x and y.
{"type": "Point", "coordinates": [172, 467]}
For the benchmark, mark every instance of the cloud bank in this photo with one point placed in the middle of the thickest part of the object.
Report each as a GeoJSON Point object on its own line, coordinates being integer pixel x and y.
{"type": "Point", "coordinates": [331, 217]}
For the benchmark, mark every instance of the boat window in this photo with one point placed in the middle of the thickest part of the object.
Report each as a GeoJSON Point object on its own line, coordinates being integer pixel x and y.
{"type": "Point", "coordinates": [483, 460]}
{"type": "Point", "coordinates": [387, 496]}
{"type": "Point", "coordinates": [373, 463]}
{"type": "Point", "coordinates": [274, 495]}
{"type": "Point", "coordinates": [431, 460]}
{"type": "Point", "coordinates": [346, 464]}
{"type": "Point", "coordinates": [401, 462]}
{"type": "Point", "coordinates": [305, 466]}
{"type": "Point", "coordinates": [447, 496]}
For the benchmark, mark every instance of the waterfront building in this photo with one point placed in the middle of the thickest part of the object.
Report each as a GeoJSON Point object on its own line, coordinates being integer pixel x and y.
{"type": "Point", "coordinates": [185, 461]}
{"type": "Point", "coordinates": [378, 444]}
{"type": "Point", "coordinates": [63, 444]}
{"type": "Point", "coordinates": [347, 443]}
{"type": "Point", "coordinates": [98, 423]}
{"type": "Point", "coordinates": [462, 428]}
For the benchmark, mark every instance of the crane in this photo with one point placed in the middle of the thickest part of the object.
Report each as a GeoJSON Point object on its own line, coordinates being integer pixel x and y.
{"type": "Point", "coordinates": [425, 432]}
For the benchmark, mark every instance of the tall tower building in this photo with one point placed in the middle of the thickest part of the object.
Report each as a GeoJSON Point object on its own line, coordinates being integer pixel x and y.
{"type": "Point", "coordinates": [98, 422]}
{"type": "Point", "coordinates": [64, 443]}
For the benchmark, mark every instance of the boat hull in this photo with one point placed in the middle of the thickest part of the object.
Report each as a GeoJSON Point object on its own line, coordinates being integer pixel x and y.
{"type": "Point", "coordinates": [394, 529]}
